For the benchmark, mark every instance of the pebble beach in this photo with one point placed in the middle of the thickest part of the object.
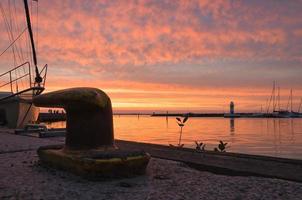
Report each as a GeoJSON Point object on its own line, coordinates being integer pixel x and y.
{"type": "Point", "coordinates": [22, 177]}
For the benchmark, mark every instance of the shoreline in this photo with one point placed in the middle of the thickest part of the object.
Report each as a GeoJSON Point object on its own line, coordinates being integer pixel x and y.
{"type": "Point", "coordinates": [23, 178]}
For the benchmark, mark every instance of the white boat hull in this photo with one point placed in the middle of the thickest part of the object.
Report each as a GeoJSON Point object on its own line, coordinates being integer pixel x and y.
{"type": "Point", "coordinates": [16, 113]}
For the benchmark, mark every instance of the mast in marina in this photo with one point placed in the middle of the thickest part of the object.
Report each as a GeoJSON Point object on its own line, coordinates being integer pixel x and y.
{"type": "Point", "coordinates": [291, 100]}
{"type": "Point", "coordinates": [288, 102]}
{"type": "Point", "coordinates": [299, 109]}
{"type": "Point", "coordinates": [274, 96]}
{"type": "Point", "coordinates": [278, 98]}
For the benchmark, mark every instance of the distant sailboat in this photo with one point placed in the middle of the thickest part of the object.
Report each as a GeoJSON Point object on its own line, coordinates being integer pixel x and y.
{"type": "Point", "coordinates": [282, 113]}
{"type": "Point", "coordinates": [19, 85]}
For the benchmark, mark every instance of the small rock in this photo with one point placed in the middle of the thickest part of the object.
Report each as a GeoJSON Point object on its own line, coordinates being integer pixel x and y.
{"type": "Point", "coordinates": [161, 177]}
{"type": "Point", "coordinates": [125, 184]}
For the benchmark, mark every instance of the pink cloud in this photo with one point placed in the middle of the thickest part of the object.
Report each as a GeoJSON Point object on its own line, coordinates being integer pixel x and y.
{"type": "Point", "coordinates": [192, 43]}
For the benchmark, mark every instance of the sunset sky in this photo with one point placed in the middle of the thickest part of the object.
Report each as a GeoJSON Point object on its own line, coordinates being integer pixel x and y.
{"type": "Point", "coordinates": [159, 55]}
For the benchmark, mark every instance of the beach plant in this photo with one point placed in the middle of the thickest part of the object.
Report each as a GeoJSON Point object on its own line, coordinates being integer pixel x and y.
{"type": "Point", "coordinates": [200, 146]}
{"type": "Point", "coordinates": [221, 146]}
{"type": "Point", "coordinates": [181, 124]}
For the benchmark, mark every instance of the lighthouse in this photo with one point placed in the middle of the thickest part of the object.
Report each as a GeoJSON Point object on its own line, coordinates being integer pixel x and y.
{"type": "Point", "coordinates": [232, 108]}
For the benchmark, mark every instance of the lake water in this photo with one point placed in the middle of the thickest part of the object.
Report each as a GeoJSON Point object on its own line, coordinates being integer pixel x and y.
{"type": "Point", "coordinates": [272, 137]}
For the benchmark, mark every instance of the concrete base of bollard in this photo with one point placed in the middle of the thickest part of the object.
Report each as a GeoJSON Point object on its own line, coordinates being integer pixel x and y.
{"type": "Point", "coordinates": [95, 164]}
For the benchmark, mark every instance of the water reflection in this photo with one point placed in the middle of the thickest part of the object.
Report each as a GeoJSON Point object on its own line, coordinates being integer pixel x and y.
{"type": "Point", "coordinates": [274, 137]}
{"type": "Point", "coordinates": [232, 126]}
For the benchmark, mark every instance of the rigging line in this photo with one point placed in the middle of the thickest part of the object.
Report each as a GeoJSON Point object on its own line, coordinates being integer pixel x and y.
{"type": "Point", "coordinates": [25, 82]}
{"type": "Point", "coordinates": [17, 26]}
{"type": "Point", "coordinates": [26, 49]}
{"type": "Point", "coordinates": [14, 25]}
{"type": "Point", "coordinates": [18, 29]}
{"type": "Point", "coordinates": [16, 82]}
{"type": "Point", "coordinates": [29, 54]}
{"type": "Point", "coordinates": [13, 42]}
{"type": "Point", "coordinates": [19, 82]}
{"type": "Point", "coordinates": [5, 20]}
{"type": "Point", "coordinates": [9, 31]}
{"type": "Point", "coordinates": [29, 49]}
{"type": "Point", "coordinates": [26, 114]}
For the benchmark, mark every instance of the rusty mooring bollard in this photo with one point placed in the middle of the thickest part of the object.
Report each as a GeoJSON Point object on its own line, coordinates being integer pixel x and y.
{"type": "Point", "coordinates": [89, 116]}
{"type": "Point", "coordinates": [89, 149]}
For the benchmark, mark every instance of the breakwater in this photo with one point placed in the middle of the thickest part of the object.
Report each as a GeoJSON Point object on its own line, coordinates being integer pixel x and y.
{"type": "Point", "coordinates": [228, 115]}
{"type": "Point", "coordinates": [54, 117]}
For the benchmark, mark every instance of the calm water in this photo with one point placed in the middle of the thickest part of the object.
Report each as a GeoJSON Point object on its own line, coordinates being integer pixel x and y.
{"type": "Point", "coordinates": [273, 137]}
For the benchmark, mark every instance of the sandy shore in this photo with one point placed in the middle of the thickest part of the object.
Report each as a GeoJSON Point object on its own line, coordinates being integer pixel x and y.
{"type": "Point", "coordinates": [21, 177]}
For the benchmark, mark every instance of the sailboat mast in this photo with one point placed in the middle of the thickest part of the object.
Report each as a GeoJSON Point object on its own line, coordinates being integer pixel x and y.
{"type": "Point", "coordinates": [38, 78]}
{"type": "Point", "coordinates": [291, 100]}
{"type": "Point", "coordinates": [278, 98]}
{"type": "Point", "coordinates": [300, 106]}
{"type": "Point", "coordinates": [271, 98]}
{"type": "Point", "coordinates": [274, 96]}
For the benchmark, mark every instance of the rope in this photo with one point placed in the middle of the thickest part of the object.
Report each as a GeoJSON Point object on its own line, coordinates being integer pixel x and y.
{"type": "Point", "coordinates": [25, 115]}
{"type": "Point", "coordinates": [5, 21]}
{"type": "Point", "coordinates": [16, 71]}
{"type": "Point", "coordinates": [13, 42]}
{"type": "Point", "coordinates": [9, 29]}
{"type": "Point", "coordinates": [11, 33]}
{"type": "Point", "coordinates": [18, 31]}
